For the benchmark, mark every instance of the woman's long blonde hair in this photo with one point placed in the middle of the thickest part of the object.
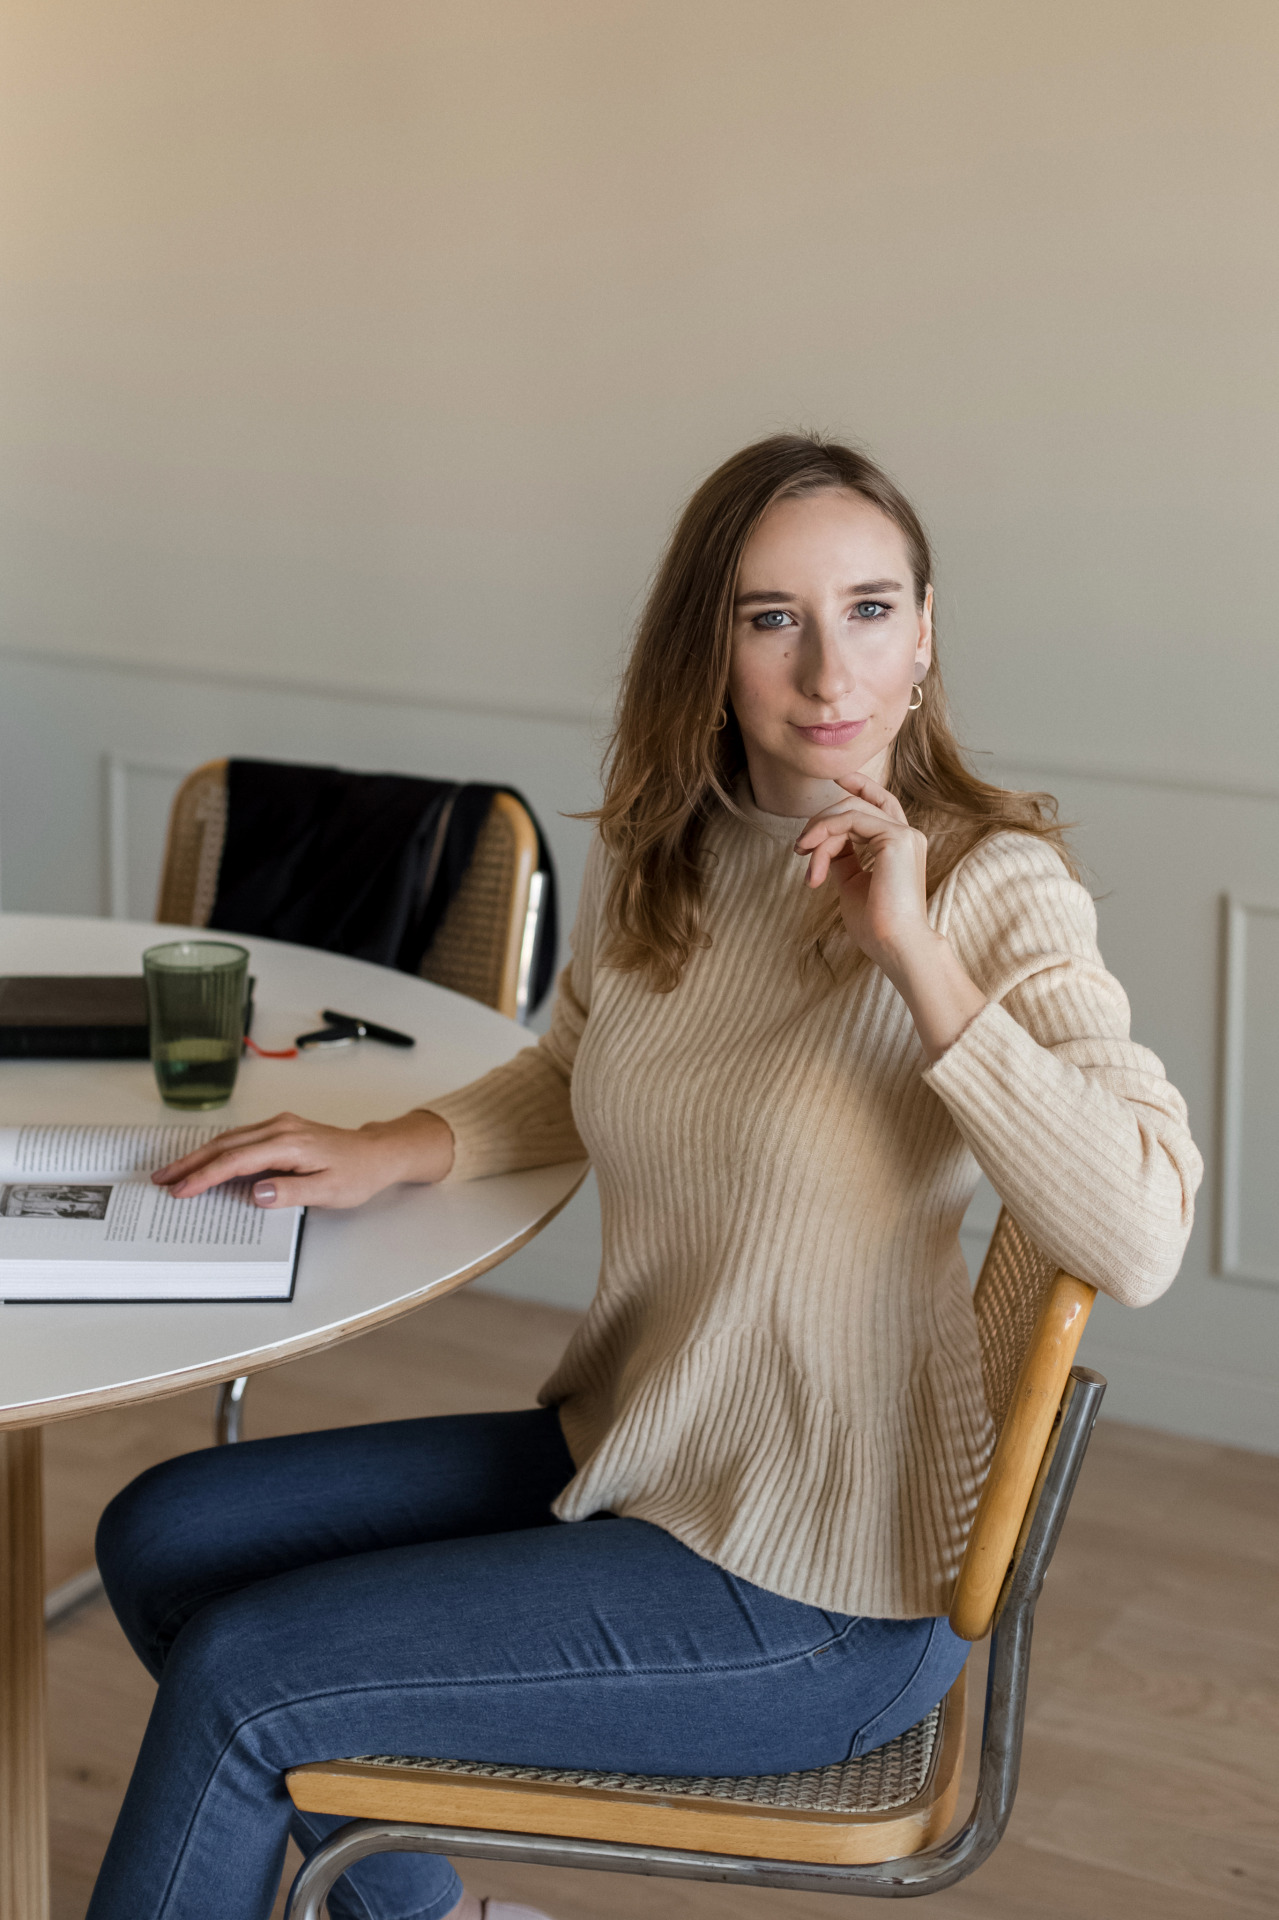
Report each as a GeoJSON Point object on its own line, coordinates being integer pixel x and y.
{"type": "Point", "coordinates": [676, 751]}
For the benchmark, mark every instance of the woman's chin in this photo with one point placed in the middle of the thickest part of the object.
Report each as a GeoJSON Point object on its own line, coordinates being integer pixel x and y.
{"type": "Point", "coordinates": [836, 763]}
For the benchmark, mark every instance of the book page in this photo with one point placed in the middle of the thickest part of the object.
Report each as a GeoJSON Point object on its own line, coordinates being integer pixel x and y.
{"type": "Point", "coordinates": [86, 1152]}
{"type": "Point", "coordinates": [83, 1193]}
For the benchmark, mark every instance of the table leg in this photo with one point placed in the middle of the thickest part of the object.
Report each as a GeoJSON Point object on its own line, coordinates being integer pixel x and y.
{"type": "Point", "coordinates": [24, 1797]}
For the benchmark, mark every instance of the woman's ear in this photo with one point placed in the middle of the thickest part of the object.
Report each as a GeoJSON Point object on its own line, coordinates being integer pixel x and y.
{"type": "Point", "coordinates": [924, 645]}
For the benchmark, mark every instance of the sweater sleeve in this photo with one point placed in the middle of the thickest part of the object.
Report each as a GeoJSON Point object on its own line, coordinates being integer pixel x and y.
{"type": "Point", "coordinates": [1075, 1125]}
{"type": "Point", "coordinates": [521, 1114]}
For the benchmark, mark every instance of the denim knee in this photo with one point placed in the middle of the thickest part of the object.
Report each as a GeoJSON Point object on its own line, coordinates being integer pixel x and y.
{"type": "Point", "coordinates": [135, 1552]}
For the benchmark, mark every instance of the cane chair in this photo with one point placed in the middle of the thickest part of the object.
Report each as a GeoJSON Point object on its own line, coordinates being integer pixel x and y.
{"type": "Point", "coordinates": [872, 1826]}
{"type": "Point", "coordinates": [484, 946]}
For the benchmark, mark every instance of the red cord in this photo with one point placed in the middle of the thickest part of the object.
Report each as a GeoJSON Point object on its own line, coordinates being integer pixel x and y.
{"type": "Point", "coordinates": [265, 1053]}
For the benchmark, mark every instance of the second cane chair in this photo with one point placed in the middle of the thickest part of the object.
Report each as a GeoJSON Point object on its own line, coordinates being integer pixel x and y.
{"type": "Point", "coordinates": [484, 947]}
{"type": "Point", "coordinates": [485, 944]}
{"type": "Point", "coordinates": [873, 1826]}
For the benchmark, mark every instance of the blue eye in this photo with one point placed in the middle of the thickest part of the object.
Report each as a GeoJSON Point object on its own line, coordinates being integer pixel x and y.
{"type": "Point", "coordinates": [770, 622]}
{"type": "Point", "coordinates": [872, 609]}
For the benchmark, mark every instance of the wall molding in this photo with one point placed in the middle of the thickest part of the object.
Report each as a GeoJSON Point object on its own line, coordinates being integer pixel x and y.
{"type": "Point", "coordinates": [594, 712]}
{"type": "Point", "coordinates": [1126, 777]}
{"type": "Point", "coordinates": [585, 712]}
{"type": "Point", "coordinates": [1234, 1052]}
{"type": "Point", "coordinates": [116, 769]}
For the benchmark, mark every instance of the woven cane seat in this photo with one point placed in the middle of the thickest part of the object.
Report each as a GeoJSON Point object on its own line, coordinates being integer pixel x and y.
{"type": "Point", "coordinates": [890, 1776]}
{"type": "Point", "coordinates": [890, 1802]}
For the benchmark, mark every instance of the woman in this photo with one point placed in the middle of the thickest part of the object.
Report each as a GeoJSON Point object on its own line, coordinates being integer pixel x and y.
{"type": "Point", "coordinates": [821, 976]}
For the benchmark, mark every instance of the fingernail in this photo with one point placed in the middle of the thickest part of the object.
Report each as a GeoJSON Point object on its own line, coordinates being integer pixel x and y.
{"type": "Point", "coordinates": [264, 1193]}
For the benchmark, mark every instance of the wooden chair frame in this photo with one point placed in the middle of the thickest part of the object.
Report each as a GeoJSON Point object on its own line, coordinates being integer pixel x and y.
{"type": "Point", "coordinates": [1036, 1462]}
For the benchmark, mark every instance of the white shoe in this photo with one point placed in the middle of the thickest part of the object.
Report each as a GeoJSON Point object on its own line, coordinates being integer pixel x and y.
{"type": "Point", "coordinates": [507, 1910]}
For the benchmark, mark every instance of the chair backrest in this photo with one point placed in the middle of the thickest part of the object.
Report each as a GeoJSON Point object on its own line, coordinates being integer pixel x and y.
{"type": "Point", "coordinates": [484, 944]}
{"type": "Point", "coordinates": [1014, 1281]}
{"type": "Point", "coordinates": [193, 848]}
{"type": "Point", "coordinates": [1030, 1318]}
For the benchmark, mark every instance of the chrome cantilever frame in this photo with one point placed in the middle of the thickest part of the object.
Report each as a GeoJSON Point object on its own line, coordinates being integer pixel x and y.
{"type": "Point", "coordinates": [904, 1879]}
{"type": "Point", "coordinates": [528, 947]}
{"type": "Point", "coordinates": [228, 1418]}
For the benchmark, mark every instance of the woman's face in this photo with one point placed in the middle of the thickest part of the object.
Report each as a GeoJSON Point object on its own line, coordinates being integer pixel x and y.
{"type": "Point", "coordinates": [827, 645]}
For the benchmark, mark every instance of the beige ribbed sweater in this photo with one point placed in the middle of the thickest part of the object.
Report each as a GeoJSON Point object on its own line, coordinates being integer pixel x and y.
{"type": "Point", "coordinates": [780, 1365]}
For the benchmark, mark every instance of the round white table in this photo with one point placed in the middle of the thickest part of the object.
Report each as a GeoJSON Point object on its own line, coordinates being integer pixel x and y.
{"type": "Point", "coordinates": [357, 1268]}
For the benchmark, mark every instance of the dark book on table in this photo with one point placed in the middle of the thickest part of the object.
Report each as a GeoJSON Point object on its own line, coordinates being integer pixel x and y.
{"type": "Point", "coordinates": [73, 1016]}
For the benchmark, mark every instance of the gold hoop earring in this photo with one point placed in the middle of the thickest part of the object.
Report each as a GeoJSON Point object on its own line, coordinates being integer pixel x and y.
{"type": "Point", "coordinates": [722, 722]}
{"type": "Point", "coordinates": [913, 705]}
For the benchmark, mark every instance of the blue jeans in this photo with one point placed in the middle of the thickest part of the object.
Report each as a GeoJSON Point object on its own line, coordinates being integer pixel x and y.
{"type": "Point", "coordinates": [404, 1588]}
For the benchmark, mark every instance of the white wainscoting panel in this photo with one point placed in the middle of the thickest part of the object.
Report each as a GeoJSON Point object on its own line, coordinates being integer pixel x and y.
{"type": "Point", "coordinates": [1248, 1211]}
{"type": "Point", "coordinates": [139, 796]}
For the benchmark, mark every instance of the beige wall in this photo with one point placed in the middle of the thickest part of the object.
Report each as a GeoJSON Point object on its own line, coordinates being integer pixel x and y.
{"type": "Point", "coordinates": [355, 358]}
{"type": "Point", "coordinates": [376, 344]}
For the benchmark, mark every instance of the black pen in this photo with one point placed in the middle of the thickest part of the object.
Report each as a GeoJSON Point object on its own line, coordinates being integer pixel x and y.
{"type": "Point", "coordinates": [365, 1029]}
{"type": "Point", "coordinates": [347, 1026]}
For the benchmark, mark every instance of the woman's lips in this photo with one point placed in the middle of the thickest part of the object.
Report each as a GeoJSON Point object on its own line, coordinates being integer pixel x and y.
{"type": "Point", "coordinates": [835, 733]}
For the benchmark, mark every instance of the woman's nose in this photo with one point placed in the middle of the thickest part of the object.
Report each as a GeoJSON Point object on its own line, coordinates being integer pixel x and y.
{"type": "Point", "coordinates": [826, 672]}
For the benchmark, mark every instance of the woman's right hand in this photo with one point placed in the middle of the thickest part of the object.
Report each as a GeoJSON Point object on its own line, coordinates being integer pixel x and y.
{"type": "Point", "coordinates": [311, 1165]}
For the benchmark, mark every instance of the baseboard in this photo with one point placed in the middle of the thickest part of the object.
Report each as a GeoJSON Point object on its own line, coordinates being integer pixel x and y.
{"type": "Point", "coordinates": [1234, 1408]}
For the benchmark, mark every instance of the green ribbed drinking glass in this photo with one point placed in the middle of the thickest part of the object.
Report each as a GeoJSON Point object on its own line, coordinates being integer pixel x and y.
{"type": "Point", "coordinates": [196, 993]}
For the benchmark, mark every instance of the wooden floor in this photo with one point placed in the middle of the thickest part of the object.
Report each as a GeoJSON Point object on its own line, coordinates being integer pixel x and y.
{"type": "Point", "coordinates": [1152, 1750]}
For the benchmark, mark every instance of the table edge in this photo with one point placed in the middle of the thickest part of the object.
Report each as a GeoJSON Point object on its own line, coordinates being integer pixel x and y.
{"type": "Point", "coordinates": [42, 1413]}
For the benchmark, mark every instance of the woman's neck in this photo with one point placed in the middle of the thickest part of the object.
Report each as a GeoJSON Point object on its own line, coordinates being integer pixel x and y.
{"type": "Point", "coordinates": [776, 788]}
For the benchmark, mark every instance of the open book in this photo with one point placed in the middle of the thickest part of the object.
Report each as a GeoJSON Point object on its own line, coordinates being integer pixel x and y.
{"type": "Point", "coordinates": [81, 1220]}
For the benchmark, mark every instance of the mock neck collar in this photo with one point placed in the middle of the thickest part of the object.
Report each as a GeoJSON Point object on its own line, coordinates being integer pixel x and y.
{"type": "Point", "coordinates": [778, 826]}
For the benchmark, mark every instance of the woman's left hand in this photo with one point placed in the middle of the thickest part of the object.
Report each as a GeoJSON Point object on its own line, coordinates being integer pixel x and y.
{"type": "Point", "coordinates": [878, 863]}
